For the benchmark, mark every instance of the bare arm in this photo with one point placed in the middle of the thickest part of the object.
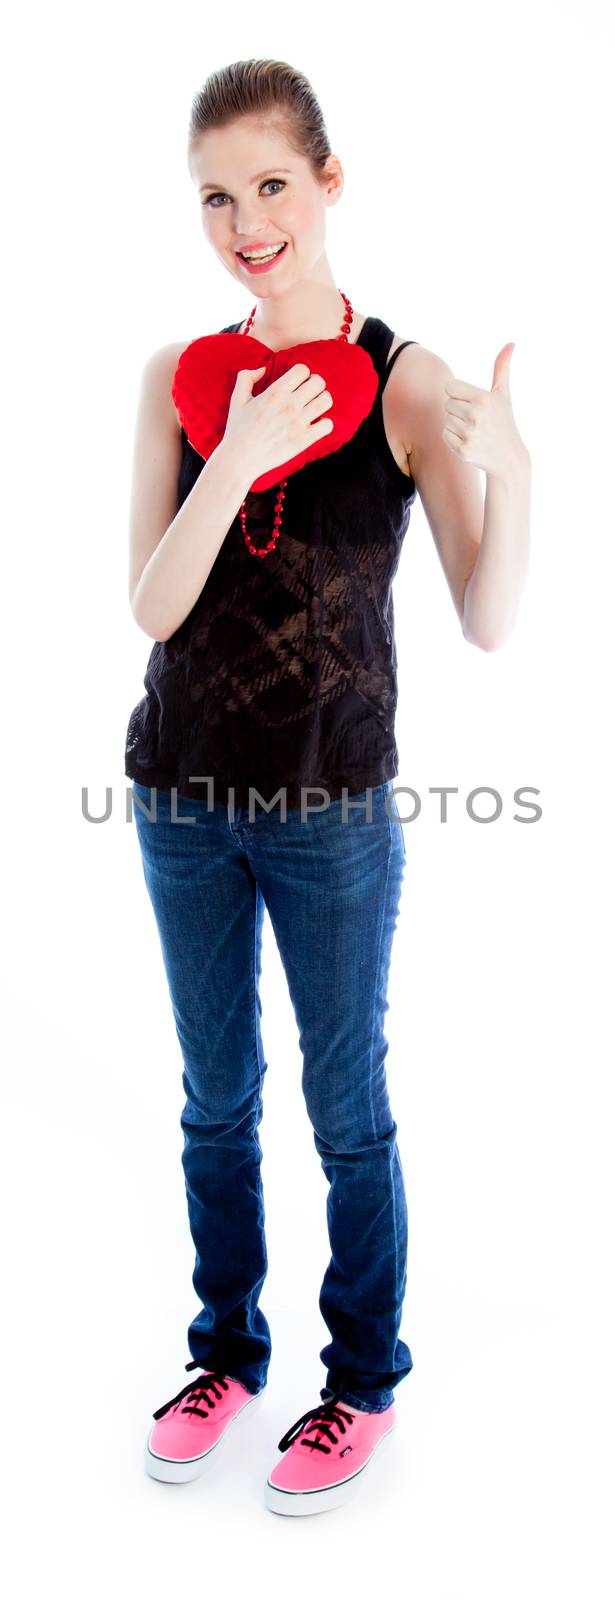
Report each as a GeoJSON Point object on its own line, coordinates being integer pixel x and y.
{"type": "Point", "coordinates": [449, 491]}
{"type": "Point", "coordinates": [172, 552]}
{"type": "Point", "coordinates": [483, 546]}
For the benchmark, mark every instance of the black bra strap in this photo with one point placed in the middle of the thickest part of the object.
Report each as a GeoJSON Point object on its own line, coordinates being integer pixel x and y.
{"type": "Point", "coordinates": [389, 365]}
{"type": "Point", "coordinates": [396, 353]}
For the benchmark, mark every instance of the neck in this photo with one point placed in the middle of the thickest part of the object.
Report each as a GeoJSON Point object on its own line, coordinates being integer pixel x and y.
{"type": "Point", "coordinates": [313, 310]}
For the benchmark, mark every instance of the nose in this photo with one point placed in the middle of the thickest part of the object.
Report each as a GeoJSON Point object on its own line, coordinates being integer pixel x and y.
{"type": "Point", "coordinates": [245, 228]}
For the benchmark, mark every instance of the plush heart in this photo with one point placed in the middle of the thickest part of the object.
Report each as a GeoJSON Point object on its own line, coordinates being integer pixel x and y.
{"type": "Point", "coordinates": [205, 377]}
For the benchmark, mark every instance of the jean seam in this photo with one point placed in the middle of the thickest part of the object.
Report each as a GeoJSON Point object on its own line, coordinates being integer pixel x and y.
{"type": "Point", "coordinates": [390, 1156]}
{"type": "Point", "coordinates": [380, 933]}
{"type": "Point", "coordinates": [254, 1022]}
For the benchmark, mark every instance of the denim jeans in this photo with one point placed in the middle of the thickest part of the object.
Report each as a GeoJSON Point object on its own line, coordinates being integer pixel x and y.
{"type": "Point", "coordinates": [332, 889]}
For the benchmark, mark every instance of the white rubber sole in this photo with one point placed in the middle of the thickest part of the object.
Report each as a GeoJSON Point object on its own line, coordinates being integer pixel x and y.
{"type": "Point", "coordinates": [167, 1469]}
{"type": "Point", "coordinates": [302, 1503]}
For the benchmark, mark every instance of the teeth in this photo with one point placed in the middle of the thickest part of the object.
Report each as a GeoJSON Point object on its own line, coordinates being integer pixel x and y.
{"type": "Point", "coordinates": [260, 255]}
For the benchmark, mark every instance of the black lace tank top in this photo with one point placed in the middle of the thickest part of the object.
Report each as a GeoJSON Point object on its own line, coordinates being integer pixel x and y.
{"type": "Point", "coordinates": [284, 674]}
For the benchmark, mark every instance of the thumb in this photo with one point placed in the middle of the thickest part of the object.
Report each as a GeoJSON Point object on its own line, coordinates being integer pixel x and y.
{"type": "Point", "coordinates": [249, 374]}
{"type": "Point", "coordinates": [501, 369]}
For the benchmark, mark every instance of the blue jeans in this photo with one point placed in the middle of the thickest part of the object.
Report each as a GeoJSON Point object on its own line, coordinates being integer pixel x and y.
{"type": "Point", "coordinates": [332, 890]}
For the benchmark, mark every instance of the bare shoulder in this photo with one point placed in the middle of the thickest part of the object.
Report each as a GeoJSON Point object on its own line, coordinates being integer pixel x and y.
{"type": "Point", "coordinates": [416, 390]}
{"type": "Point", "coordinates": [417, 365]}
{"type": "Point", "coordinates": [157, 377]}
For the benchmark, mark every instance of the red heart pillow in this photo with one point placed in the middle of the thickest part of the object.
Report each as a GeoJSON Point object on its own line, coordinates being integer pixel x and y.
{"type": "Point", "coordinates": [205, 377]}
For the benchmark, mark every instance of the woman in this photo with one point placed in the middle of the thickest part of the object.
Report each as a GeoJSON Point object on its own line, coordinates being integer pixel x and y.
{"type": "Point", "coordinates": [273, 675]}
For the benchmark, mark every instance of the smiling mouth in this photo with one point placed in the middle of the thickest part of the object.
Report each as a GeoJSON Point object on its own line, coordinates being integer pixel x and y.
{"type": "Point", "coordinates": [268, 255]}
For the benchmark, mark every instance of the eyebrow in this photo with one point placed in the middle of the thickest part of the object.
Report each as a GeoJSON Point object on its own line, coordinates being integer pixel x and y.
{"type": "Point", "coordinates": [255, 179]}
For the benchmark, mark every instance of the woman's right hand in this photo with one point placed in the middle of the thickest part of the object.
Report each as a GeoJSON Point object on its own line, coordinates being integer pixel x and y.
{"type": "Point", "coordinates": [268, 429]}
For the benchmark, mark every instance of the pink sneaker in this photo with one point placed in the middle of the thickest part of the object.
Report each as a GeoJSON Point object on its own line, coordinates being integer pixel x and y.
{"type": "Point", "coordinates": [186, 1435]}
{"type": "Point", "coordinates": [329, 1449]}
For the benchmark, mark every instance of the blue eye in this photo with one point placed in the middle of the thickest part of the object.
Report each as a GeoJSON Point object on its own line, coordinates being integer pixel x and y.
{"type": "Point", "coordinates": [280, 182]}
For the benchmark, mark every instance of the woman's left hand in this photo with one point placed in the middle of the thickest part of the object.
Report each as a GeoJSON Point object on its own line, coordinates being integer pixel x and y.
{"type": "Point", "coordinates": [479, 423]}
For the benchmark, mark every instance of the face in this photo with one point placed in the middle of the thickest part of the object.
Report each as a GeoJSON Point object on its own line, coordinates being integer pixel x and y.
{"type": "Point", "coordinates": [255, 191]}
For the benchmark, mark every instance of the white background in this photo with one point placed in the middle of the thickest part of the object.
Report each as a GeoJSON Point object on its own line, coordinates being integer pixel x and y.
{"type": "Point", "coordinates": [476, 142]}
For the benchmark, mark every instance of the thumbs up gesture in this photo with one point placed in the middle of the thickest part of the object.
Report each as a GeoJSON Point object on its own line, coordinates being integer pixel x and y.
{"type": "Point", "coordinates": [479, 425]}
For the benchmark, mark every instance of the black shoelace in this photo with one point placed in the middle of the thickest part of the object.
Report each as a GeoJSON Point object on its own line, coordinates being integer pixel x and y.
{"type": "Point", "coordinates": [322, 1419]}
{"type": "Point", "coordinates": [197, 1389]}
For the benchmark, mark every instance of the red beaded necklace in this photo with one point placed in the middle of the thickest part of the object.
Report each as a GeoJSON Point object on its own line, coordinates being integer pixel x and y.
{"type": "Point", "coordinates": [277, 521]}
